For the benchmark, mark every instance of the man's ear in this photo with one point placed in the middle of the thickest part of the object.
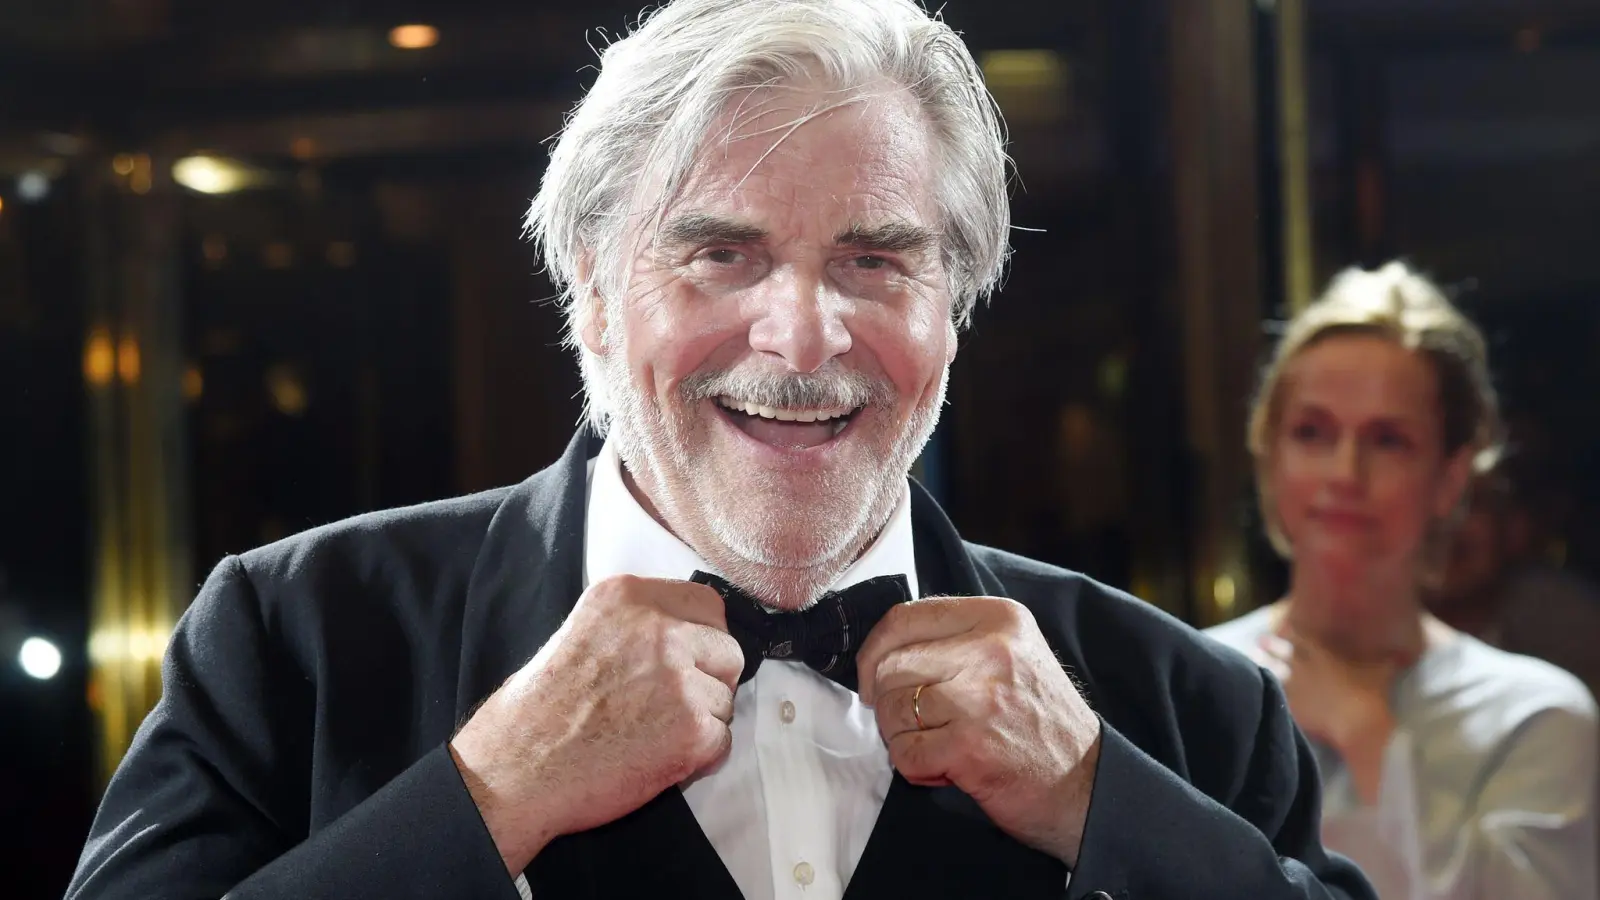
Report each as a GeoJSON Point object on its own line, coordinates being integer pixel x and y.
{"type": "Point", "coordinates": [593, 314]}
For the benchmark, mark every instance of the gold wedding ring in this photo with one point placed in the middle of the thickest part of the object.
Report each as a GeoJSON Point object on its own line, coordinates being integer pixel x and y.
{"type": "Point", "coordinates": [916, 707]}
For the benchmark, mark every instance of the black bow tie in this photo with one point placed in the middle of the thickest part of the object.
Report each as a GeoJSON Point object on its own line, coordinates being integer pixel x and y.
{"type": "Point", "coordinates": [824, 636]}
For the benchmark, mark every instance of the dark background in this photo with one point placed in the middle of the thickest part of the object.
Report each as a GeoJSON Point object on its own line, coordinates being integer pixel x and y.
{"type": "Point", "coordinates": [368, 328]}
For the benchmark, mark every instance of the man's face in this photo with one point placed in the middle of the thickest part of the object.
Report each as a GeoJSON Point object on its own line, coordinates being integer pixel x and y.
{"type": "Point", "coordinates": [779, 356]}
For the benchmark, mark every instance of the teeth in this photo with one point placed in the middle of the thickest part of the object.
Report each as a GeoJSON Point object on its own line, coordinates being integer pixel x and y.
{"type": "Point", "coordinates": [786, 415]}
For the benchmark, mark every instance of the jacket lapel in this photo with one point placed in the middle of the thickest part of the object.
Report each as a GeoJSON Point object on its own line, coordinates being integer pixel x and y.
{"type": "Point", "coordinates": [526, 581]}
{"type": "Point", "coordinates": [937, 842]}
{"type": "Point", "coordinates": [528, 575]}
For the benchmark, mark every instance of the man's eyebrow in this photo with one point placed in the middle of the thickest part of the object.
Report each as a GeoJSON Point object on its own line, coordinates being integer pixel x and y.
{"type": "Point", "coordinates": [699, 229]}
{"type": "Point", "coordinates": [890, 237]}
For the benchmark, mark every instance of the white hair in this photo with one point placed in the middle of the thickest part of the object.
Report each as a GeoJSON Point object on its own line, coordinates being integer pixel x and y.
{"type": "Point", "coordinates": [661, 89]}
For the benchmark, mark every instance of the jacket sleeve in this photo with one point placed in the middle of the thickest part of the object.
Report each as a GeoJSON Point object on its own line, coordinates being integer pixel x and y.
{"type": "Point", "coordinates": [1151, 835]}
{"type": "Point", "coordinates": [212, 797]}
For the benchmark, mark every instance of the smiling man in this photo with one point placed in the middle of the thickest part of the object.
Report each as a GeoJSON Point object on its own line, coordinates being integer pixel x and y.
{"type": "Point", "coordinates": [724, 647]}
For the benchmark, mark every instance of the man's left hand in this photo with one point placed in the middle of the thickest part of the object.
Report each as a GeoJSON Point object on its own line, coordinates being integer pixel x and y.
{"type": "Point", "coordinates": [1000, 718]}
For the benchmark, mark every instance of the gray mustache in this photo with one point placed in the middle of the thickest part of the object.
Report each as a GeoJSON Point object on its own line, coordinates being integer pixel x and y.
{"type": "Point", "coordinates": [838, 387]}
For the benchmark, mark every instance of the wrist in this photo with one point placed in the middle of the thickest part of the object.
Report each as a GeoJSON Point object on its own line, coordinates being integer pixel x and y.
{"type": "Point", "coordinates": [1076, 792]}
{"type": "Point", "coordinates": [517, 820]}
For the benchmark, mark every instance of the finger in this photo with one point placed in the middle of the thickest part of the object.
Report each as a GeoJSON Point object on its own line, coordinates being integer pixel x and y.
{"type": "Point", "coordinates": [926, 663]}
{"type": "Point", "coordinates": [710, 695]}
{"type": "Point", "coordinates": [717, 654]}
{"type": "Point", "coordinates": [713, 740]}
{"type": "Point", "coordinates": [924, 758]}
{"type": "Point", "coordinates": [1277, 647]}
{"type": "Point", "coordinates": [916, 622]}
{"type": "Point", "coordinates": [897, 710]}
{"type": "Point", "coordinates": [690, 602]}
{"type": "Point", "coordinates": [1272, 664]}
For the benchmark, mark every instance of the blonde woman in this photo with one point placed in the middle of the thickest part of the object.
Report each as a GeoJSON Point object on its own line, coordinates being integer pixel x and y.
{"type": "Point", "coordinates": [1451, 769]}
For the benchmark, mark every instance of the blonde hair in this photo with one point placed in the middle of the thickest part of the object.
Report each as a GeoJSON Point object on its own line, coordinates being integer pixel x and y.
{"type": "Point", "coordinates": [1397, 303]}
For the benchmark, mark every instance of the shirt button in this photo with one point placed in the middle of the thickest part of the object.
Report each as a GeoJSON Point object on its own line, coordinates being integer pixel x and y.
{"type": "Point", "coordinates": [786, 713]}
{"type": "Point", "coordinates": [804, 874]}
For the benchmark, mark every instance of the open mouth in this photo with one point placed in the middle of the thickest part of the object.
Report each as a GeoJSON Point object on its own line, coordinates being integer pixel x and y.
{"type": "Point", "coordinates": [795, 429]}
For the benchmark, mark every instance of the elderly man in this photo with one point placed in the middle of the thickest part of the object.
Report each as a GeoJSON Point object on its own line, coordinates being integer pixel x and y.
{"type": "Point", "coordinates": [730, 650]}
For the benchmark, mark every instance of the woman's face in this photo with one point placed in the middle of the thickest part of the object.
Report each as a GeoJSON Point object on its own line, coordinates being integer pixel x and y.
{"type": "Point", "coordinates": [1358, 468]}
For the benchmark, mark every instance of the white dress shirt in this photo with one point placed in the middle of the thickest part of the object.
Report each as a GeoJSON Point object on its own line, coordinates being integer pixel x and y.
{"type": "Point", "coordinates": [790, 809]}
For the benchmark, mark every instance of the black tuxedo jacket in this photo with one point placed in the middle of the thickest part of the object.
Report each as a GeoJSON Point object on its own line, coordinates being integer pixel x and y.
{"type": "Point", "coordinates": [299, 747]}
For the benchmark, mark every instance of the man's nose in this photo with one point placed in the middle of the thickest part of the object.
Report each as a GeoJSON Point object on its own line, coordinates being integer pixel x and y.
{"type": "Point", "coordinates": [799, 317]}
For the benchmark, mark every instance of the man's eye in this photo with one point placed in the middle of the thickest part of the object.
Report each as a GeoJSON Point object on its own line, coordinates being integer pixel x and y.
{"type": "Point", "coordinates": [870, 262]}
{"type": "Point", "coordinates": [723, 256]}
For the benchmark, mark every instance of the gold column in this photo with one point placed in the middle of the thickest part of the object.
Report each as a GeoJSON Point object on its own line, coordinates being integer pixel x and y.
{"type": "Point", "coordinates": [1294, 142]}
{"type": "Point", "coordinates": [1214, 148]}
{"type": "Point", "coordinates": [132, 367]}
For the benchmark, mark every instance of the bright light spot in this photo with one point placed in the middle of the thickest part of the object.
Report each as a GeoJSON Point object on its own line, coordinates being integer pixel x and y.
{"type": "Point", "coordinates": [33, 186]}
{"type": "Point", "coordinates": [212, 174]}
{"type": "Point", "coordinates": [1023, 69]}
{"type": "Point", "coordinates": [287, 390]}
{"type": "Point", "coordinates": [141, 645]}
{"type": "Point", "coordinates": [141, 179]}
{"type": "Point", "coordinates": [128, 362]}
{"type": "Point", "coordinates": [1224, 592]}
{"type": "Point", "coordinates": [122, 164]}
{"type": "Point", "coordinates": [39, 658]}
{"type": "Point", "coordinates": [99, 359]}
{"type": "Point", "coordinates": [414, 37]}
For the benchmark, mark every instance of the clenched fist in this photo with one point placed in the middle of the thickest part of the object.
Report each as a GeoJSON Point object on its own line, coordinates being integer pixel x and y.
{"type": "Point", "coordinates": [968, 693]}
{"type": "Point", "coordinates": [632, 695]}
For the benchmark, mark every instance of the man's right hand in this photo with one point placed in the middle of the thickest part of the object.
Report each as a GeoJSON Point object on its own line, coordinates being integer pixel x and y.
{"type": "Point", "coordinates": [632, 695]}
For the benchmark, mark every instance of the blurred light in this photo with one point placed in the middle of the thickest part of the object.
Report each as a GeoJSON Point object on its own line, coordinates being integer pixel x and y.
{"type": "Point", "coordinates": [1529, 39]}
{"type": "Point", "coordinates": [213, 174]}
{"type": "Point", "coordinates": [1113, 377]}
{"type": "Point", "coordinates": [341, 254]}
{"type": "Point", "coordinates": [287, 390]}
{"type": "Point", "coordinates": [141, 178]}
{"type": "Point", "coordinates": [39, 658]}
{"type": "Point", "coordinates": [277, 255]}
{"type": "Point", "coordinates": [1029, 85]}
{"type": "Point", "coordinates": [128, 360]}
{"type": "Point", "coordinates": [145, 645]}
{"type": "Point", "coordinates": [1023, 69]}
{"type": "Point", "coordinates": [122, 164]}
{"type": "Point", "coordinates": [194, 383]}
{"type": "Point", "coordinates": [33, 186]}
{"type": "Point", "coordinates": [1224, 593]}
{"type": "Point", "coordinates": [214, 247]}
{"type": "Point", "coordinates": [99, 360]}
{"type": "Point", "coordinates": [303, 148]}
{"type": "Point", "coordinates": [414, 37]}
{"type": "Point", "coordinates": [2, 204]}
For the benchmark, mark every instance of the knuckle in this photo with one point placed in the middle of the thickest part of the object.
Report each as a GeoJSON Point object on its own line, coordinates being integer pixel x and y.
{"type": "Point", "coordinates": [1010, 612]}
{"type": "Point", "coordinates": [614, 588]}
